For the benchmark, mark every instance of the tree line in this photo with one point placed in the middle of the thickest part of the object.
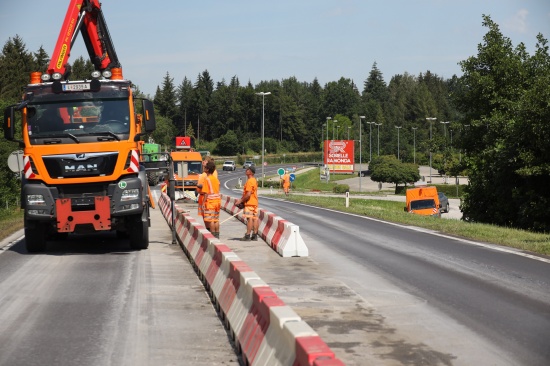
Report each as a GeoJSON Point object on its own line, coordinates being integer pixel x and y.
{"type": "Point", "coordinates": [489, 123]}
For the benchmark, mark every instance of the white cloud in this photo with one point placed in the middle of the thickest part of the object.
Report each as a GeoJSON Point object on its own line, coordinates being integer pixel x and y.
{"type": "Point", "coordinates": [518, 23]}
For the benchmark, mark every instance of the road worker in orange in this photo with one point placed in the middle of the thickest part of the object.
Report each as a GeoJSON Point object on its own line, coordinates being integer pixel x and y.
{"type": "Point", "coordinates": [200, 184]}
{"type": "Point", "coordinates": [250, 200]}
{"type": "Point", "coordinates": [286, 182]}
{"type": "Point", "coordinates": [212, 199]}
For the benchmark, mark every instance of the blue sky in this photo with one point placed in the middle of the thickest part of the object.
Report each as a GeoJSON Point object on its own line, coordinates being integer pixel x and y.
{"type": "Point", "coordinates": [261, 40]}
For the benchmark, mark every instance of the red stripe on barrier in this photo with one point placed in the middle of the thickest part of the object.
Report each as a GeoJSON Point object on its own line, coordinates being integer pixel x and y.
{"type": "Point", "coordinates": [278, 233]}
{"type": "Point", "coordinates": [203, 247]}
{"type": "Point", "coordinates": [308, 349]}
{"type": "Point", "coordinates": [257, 321]}
{"type": "Point", "coordinates": [214, 267]}
{"type": "Point", "coordinates": [232, 284]}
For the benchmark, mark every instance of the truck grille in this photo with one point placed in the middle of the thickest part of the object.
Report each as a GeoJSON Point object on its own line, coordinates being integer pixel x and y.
{"type": "Point", "coordinates": [80, 165]}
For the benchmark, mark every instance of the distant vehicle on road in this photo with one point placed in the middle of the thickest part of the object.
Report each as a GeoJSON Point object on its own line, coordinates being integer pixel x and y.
{"type": "Point", "coordinates": [364, 173]}
{"type": "Point", "coordinates": [443, 202]}
{"type": "Point", "coordinates": [423, 201]}
{"type": "Point", "coordinates": [247, 164]}
{"type": "Point", "coordinates": [229, 165]}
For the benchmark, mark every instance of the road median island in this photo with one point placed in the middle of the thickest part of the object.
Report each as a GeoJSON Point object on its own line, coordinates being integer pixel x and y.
{"type": "Point", "coordinates": [265, 330]}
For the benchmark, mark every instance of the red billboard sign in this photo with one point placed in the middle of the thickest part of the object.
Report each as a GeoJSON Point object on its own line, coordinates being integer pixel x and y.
{"type": "Point", "coordinates": [339, 156]}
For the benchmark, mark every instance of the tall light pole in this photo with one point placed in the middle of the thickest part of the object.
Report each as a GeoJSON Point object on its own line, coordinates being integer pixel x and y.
{"type": "Point", "coordinates": [370, 140]}
{"type": "Point", "coordinates": [263, 94]}
{"type": "Point", "coordinates": [445, 156]}
{"type": "Point", "coordinates": [379, 124]}
{"type": "Point", "coordinates": [326, 180]}
{"type": "Point", "coordinates": [361, 118]}
{"type": "Point", "coordinates": [398, 128]}
{"type": "Point", "coordinates": [445, 130]}
{"type": "Point", "coordinates": [322, 142]}
{"type": "Point", "coordinates": [337, 132]}
{"type": "Point", "coordinates": [348, 131]}
{"type": "Point", "coordinates": [414, 143]}
{"type": "Point", "coordinates": [431, 119]}
{"type": "Point", "coordinates": [333, 124]}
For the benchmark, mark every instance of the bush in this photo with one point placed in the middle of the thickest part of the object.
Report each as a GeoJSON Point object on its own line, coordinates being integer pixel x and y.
{"type": "Point", "coordinates": [340, 188]}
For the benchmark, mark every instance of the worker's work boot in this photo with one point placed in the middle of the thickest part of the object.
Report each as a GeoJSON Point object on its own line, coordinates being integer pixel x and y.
{"type": "Point", "coordinates": [254, 236]}
{"type": "Point", "coordinates": [216, 235]}
{"type": "Point", "coordinates": [246, 237]}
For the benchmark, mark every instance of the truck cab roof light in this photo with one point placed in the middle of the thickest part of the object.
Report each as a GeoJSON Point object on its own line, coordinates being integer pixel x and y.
{"type": "Point", "coordinates": [57, 76]}
{"type": "Point", "coordinates": [36, 77]}
{"type": "Point", "coordinates": [106, 74]}
{"type": "Point", "coordinates": [117, 73]}
{"type": "Point", "coordinates": [96, 74]}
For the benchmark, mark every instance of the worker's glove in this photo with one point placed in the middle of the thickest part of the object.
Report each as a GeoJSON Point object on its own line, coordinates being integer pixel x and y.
{"type": "Point", "coordinates": [240, 206]}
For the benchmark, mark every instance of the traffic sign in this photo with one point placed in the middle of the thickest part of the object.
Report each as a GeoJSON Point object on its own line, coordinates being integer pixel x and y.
{"type": "Point", "coordinates": [15, 161]}
{"type": "Point", "coordinates": [292, 177]}
{"type": "Point", "coordinates": [265, 163]}
{"type": "Point", "coordinates": [281, 171]}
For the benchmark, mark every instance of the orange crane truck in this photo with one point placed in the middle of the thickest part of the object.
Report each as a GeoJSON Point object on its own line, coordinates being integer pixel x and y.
{"type": "Point", "coordinates": [81, 141]}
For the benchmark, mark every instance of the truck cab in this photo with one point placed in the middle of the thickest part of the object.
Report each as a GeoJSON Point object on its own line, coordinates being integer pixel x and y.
{"type": "Point", "coordinates": [423, 201]}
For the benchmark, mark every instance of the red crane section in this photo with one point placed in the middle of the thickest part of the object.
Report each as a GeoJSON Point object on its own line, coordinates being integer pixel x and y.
{"type": "Point", "coordinates": [85, 16]}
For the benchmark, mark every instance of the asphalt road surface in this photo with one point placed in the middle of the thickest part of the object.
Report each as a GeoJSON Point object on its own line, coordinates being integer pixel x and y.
{"type": "Point", "coordinates": [438, 299]}
{"type": "Point", "coordinates": [377, 293]}
{"type": "Point", "coordinates": [92, 301]}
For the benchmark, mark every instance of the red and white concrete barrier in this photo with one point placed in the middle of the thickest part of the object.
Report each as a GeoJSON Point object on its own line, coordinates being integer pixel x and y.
{"type": "Point", "coordinates": [283, 236]}
{"type": "Point", "coordinates": [265, 330]}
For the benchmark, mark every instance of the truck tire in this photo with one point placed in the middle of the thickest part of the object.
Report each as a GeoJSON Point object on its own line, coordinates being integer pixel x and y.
{"type": "Point", "coordinates": [152, 179]}
{"type": "Point", "coordinates": [35, 236]}
{"type": "Point", "coordinates": [138, 232]}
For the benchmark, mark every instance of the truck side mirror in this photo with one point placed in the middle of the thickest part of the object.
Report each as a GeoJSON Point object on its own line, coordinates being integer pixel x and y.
{"type": "Point", "coordinates": [149, 116]}
{"type": "Point", "coordinates": [9, 123]}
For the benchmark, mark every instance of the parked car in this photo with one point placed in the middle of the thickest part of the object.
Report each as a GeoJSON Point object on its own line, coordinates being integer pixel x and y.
{"type": "Point", "coordinates": [443, 202]}
{"type": "Point", "coordinates": [247, 164]}
{"type": "Point", "coordinates": [229, 165]}
{"type": "Point", "coordinates": [364, 173]}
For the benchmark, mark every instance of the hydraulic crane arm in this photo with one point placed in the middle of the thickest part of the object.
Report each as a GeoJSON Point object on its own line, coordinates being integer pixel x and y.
{"type": "Point", "coordinates": [85, 16]}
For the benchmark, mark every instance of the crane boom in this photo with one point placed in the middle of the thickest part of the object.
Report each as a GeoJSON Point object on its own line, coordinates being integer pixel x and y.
{"type": "Point", "coordinates": [85, 16]}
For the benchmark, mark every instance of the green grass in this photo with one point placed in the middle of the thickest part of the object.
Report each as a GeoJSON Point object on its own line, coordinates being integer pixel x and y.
{"type": "Point", "coordinates": [393, 211]}
{"type": "Point", "coordinates": [10, 222]}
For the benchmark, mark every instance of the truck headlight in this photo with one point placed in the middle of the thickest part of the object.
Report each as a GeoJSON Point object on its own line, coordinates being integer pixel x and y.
{"type": "Point", "coordinates": [35, 199]}
{"type": "Point", "coordinates": [130, 194]}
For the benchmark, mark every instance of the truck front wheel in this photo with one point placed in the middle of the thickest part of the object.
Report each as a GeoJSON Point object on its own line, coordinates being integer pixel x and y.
{"type": "Point", "coordinates": [138, 231]}
{"type": "Point", "coordinates": [35, 236]}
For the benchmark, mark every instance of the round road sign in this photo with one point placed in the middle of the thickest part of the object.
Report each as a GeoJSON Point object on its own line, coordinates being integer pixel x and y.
{"type": "Point", "coordinates": [292, 177]}
{"type": "Point", "coordinates": [15, 161]}
{"type": "Point", "coordinates": [281, 171]}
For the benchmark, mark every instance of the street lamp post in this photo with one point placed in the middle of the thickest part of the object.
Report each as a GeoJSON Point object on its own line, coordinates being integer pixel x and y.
{"type": "Point", "coordinates": [326, 167]}
{"type": "Point", "coordinates": [379, 124]}
{"type": "Point", "coordinates": [414, 143]}
{"type": "Point", "coordinates": [348, 131]}
{"type": "Point", "coordinates": [333, 124]}
{"type": "Point", "coordinates": [370, 140]}
{"type": "Point", "coordinates": [322, 142]}
{"type": "Point", "coordinates": [361, 118]}
{"type": "Point", "coordinates": [263, 94]}
{"type": "Point", "coordinates": [445, 135]}
{"type": "Point", "coordinates": [398, 128]}
{"type": "Point", "coordinates": [430, 119]}
{"type": "Point", "coordinates": [445, 130]}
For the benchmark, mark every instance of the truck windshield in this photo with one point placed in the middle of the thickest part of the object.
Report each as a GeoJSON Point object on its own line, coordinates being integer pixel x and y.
{"type": "Point", "coordinates": [193, 167]}
{"type": "Point", "coordinates": [422, 204]}
{"type": "Point", "coordinates": [100, 117]}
